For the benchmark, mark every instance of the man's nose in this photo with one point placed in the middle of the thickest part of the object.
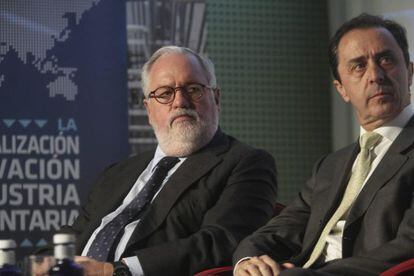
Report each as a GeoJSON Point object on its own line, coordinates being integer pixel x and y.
{"type": "Point", "coordinates": [181, 99]}
{"type": "Point", "coordinates": [376, 73]}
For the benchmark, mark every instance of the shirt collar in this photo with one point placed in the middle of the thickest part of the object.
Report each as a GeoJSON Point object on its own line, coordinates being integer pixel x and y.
{"type": "Point", "coordinates": [392, 129]}
{"type": "Point", "coordinates": [159, 154]}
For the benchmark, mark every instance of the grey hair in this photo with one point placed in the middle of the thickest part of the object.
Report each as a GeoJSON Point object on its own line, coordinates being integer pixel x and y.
{"type": "Point", "coordinates": [205, 63]}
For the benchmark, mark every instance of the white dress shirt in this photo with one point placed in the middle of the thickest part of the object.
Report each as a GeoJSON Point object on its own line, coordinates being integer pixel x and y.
{"type": "Point", "coordinates": [133, 262]}
{"type": "Point", "coordinates": [389, 132]}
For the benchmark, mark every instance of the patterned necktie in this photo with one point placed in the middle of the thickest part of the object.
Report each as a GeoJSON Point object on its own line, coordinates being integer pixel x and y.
{"type": "Point", "coordinates": [103, 242]}
{"type": "Point", "coordinates": [362, 168]}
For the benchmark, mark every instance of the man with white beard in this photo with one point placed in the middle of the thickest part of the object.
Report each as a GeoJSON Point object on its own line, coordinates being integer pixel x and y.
{"type": "Point", "coordinates": [184, 207]}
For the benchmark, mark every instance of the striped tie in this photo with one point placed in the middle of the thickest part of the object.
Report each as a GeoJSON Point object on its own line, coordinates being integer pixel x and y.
{"type": "Point", "coordinates": [104, 240]}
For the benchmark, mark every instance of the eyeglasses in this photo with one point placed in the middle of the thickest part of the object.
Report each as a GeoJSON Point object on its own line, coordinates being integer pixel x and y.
{"type": "Point", "coordinates": [166, 94]}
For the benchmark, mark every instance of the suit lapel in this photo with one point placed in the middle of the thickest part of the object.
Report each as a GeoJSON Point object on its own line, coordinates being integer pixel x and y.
{"type": "Point", "coordinates": [334, 194]}
{"type": "Point", "coordinates": [193, 168]}
{"type": "Point", "coordinates": [326, 201]}
{"type": "Point", "coordinates": [110, 199]}
{"type": "Point", "coordinates": [392, 161]}
{"type": "Point", "coordinates": [130, 174]}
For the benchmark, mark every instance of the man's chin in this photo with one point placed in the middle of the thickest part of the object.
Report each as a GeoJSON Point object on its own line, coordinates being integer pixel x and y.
{"type": "Point", "coordinates": [387, 110]}
{"type": "Point", "coordinates": [179, 147]}
{"type": "Point", "coordinates": [183, 123]}
{"type": "Point", "coordinates": [184, 143]}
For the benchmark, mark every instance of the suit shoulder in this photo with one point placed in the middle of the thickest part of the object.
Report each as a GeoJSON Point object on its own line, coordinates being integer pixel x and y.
{"type": "Point", "coordinates": [241, 149]}
{"type": "Point", "coordinates": [340, 153]}
{"type": "Point", "coordinates": [331, 160]}
{"type": "Point", "coordinates": [130, 161]}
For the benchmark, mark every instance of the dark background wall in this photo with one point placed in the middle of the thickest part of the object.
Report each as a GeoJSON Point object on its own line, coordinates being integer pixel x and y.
{"type": "Point", "coordinates": [272, 67]}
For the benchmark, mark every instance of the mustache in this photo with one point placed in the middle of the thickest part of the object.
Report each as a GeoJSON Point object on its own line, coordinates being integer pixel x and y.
{"type": "Point", "coordinates": [381, 89]}
{"type": "Point", "coordinates": [182, 112]}
{"type": "Point", "coordinates": [385, 81]}
{"type": "Point", "coordinates": [384, 86]}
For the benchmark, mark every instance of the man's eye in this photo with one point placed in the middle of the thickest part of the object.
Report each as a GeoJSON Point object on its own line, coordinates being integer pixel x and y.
{"type": "Point", "coordinates": [193, 89]}
{"type": "Point", "coordinates": [358, 67]}
{"type": "Point", "coordinates": [386, 60]}
{"type": "Point", "coordinates": [165, 93]}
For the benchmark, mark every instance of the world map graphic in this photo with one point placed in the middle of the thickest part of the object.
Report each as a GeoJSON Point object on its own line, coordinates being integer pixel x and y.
{"type": "Point", "coordinates": [31, 29]}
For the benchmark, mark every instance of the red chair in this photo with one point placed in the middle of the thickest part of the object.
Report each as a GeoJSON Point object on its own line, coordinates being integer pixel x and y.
{"type": "Point", "coordinates": [228, 270]}
{"type": "Point", "coordinates": [403, 269]}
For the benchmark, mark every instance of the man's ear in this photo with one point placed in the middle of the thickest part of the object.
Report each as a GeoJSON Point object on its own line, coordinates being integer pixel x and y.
{"type": "Point", "coordinates": [410, 74]}
{"type": "Point", "coordinates": [146, 104]}
{"type": "Point", "coordinates": [341, 90]}
{"type": "Point", "coordinates": [145, 101]}
{"type": "Point", "coordinates": [217, 97]}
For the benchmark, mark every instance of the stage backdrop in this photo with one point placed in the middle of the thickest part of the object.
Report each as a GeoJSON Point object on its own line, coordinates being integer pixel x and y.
{"type": "Point", "coordinates": [63, 110]}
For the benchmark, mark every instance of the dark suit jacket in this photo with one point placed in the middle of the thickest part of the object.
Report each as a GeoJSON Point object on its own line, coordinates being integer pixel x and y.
{"type": "Point", "coordinates": [379, 231]}
{"type": "Point", "coordinates": [218, 196]}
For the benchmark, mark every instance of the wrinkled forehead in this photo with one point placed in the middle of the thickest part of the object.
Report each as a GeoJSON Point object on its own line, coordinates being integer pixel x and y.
{"type": "Point", "coordinates": [366, 42]}
{"type": "Point", "coordinates": [177, 66]}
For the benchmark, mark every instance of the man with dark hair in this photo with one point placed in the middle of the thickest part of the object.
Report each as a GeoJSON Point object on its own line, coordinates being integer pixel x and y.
{"type": "Point", "coordinates": [367, 21]}
{"type": "Point", "coordinates": [185, 206]}
{"type": "Point", "coordinates": [355, 215]}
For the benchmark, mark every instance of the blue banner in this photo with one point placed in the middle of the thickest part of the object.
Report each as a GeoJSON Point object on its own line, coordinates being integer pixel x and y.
{"type": "Point", "coordinates": [63, 110]}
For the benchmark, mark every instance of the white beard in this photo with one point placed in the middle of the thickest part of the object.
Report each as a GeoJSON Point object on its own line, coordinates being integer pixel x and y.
{"type": "Point", "coordinates": [185, 137]}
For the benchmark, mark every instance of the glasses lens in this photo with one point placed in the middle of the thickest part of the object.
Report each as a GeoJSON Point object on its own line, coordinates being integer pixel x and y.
{"type": "Point", "coordinates": [164, 94]}
{"type": "Point", "coordinates": [195, 91]}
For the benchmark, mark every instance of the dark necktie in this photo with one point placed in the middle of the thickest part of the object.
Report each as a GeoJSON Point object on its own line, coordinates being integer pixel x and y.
{"type": "Point", "coordinates": [104, 240]}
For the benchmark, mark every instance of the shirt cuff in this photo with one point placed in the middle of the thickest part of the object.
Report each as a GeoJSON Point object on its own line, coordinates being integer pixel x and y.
{"type": "Point", "coordinates": [241, 260]}
{"type": "Point", "coordinates": [134, 266]}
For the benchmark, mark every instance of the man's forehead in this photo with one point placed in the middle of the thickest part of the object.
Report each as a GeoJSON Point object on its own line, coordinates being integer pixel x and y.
{"type": "Point", "coordinates": [172, 65]}
{"type": "Point", "coordinates": [365, 42]}
{"type": "Point", "coordinates": [168, 59]}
